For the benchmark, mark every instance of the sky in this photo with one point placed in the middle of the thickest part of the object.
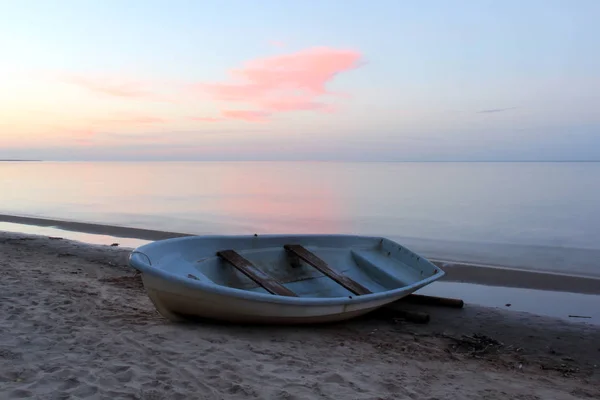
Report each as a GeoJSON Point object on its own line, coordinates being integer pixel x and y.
{"type": "Point", "coordinates": [341, 80]}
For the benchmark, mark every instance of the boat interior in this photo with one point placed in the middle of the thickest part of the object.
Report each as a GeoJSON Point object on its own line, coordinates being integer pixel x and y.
{"type": "Point", "coordinates": [310, 270]}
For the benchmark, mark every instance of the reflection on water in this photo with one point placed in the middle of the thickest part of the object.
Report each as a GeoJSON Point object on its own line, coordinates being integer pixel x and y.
{"type": "Point", "coordinates": [561, 305]}
{"type": "Point", "coordinates": [280, 200]}
{"type": "Point", "coordinates": [84, 237]}
{"type": "Point", "coordinates": [552, 204]}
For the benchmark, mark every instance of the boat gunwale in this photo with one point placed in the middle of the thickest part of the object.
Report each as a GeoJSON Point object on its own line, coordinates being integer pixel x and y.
{"type": "Point", "coordinates": [136, 261]}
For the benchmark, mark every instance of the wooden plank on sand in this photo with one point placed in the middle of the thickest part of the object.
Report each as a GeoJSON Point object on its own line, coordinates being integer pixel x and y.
{"type": "Point", "coordinates": [322, 266]}
{"type": "Point", "coordinates": [258, 276]}
{"type": "Point", "coordinates": [433, 300]}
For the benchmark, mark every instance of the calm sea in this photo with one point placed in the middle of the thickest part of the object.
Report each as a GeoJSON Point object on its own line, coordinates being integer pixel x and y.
{"type": "Point", "coordinates": [539, 215]}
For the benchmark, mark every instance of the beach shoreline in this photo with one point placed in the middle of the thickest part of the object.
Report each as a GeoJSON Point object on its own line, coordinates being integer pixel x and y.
{"type": "Point", "coordinates": [457, 270]}
{"type": "Point", "coordinates": [75, 321]}
{"type": "Point", "coordinates": [484, 285]}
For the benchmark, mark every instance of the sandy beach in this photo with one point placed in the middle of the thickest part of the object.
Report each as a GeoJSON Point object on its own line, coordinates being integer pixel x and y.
{"type": "Point", "coordinates": [76, 323]}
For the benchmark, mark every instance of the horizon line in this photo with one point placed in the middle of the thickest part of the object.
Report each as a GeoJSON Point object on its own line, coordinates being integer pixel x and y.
{"type": "Point", "coordinates": [311, 160]}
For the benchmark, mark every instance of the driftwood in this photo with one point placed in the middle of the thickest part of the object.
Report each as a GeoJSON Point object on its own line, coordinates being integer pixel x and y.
{"type": "Point", "coordinates": [395, 310]}
{"type": "Point", "coordinates": [392, 311]}
{"type": "Point", "coordinates": [412, 316]}
{"type": "Point", "coordinates": [433, 300]}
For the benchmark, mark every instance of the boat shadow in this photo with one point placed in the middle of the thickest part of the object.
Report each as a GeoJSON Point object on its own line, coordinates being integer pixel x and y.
{"type": "Point", "coordinates": [399, 315]}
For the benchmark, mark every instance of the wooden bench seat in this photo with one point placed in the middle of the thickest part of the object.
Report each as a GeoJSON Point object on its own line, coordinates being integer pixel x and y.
{"type": "Point", "coordinates": [252, 272]}
{"type": "Point", "coordinates": [322, 266]}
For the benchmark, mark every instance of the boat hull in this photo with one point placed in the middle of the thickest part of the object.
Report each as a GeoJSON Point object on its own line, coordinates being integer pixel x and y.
{"type": "Point", "coordinates": [178, 303]}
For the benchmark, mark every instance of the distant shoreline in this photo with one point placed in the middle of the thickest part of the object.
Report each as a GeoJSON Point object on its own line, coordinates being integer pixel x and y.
{"type": "Point", "coordinates": [324, 161]}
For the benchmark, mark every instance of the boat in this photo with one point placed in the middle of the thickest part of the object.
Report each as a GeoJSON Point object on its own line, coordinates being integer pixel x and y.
{"type": "Point", "coordinates": [278, 279]}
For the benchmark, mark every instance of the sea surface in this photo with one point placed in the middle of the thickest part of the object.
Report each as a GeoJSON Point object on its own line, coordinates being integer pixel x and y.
{"type": "Point", "coordinates": [530, 215]}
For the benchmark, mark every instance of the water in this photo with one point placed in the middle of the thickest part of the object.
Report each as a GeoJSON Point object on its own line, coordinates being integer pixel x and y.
{"type": "Point", "coordinates": [564, 305]}
{"type": "Point", "coordinates": [540, 215]}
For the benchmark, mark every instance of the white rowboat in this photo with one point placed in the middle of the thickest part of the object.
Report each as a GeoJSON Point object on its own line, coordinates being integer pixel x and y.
{"type": "Point", "coordinates": [278, 278]}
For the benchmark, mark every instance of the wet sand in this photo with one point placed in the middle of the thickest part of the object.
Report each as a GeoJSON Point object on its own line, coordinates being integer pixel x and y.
{"type": "Point", "coordinates": [75, 321]}
{"type": "Point", "coordinates": [112, 230]}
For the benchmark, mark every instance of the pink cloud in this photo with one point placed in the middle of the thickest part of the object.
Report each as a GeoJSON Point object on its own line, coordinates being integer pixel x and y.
{"type": "Point", "coordinates": [84, 142]}
{"type": "Point", "coordinates": [242, 115]}
{"type": "Point", "coordinates": [135, 120]}
{"type": "Point", "coordinates": [90, 129]}
{"type": "Point", "coordinates": [79, 133]}
{"type": "Point", "coordinates": [284, 83]}
{"type": "Point", "coordinates": [205, 119]}
{"type": "Point", "coordinates": [78, 136]}
{"type": "Point", "coordinates": [109, 86]}
{"type": "Point", "coordinates": [148, 120]}
{"type": "Point", "coordinates": [246, 115]}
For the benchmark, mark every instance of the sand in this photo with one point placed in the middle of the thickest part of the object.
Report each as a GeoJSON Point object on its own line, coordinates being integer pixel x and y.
{"type": "Point", "coordinates": [76, 323]}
